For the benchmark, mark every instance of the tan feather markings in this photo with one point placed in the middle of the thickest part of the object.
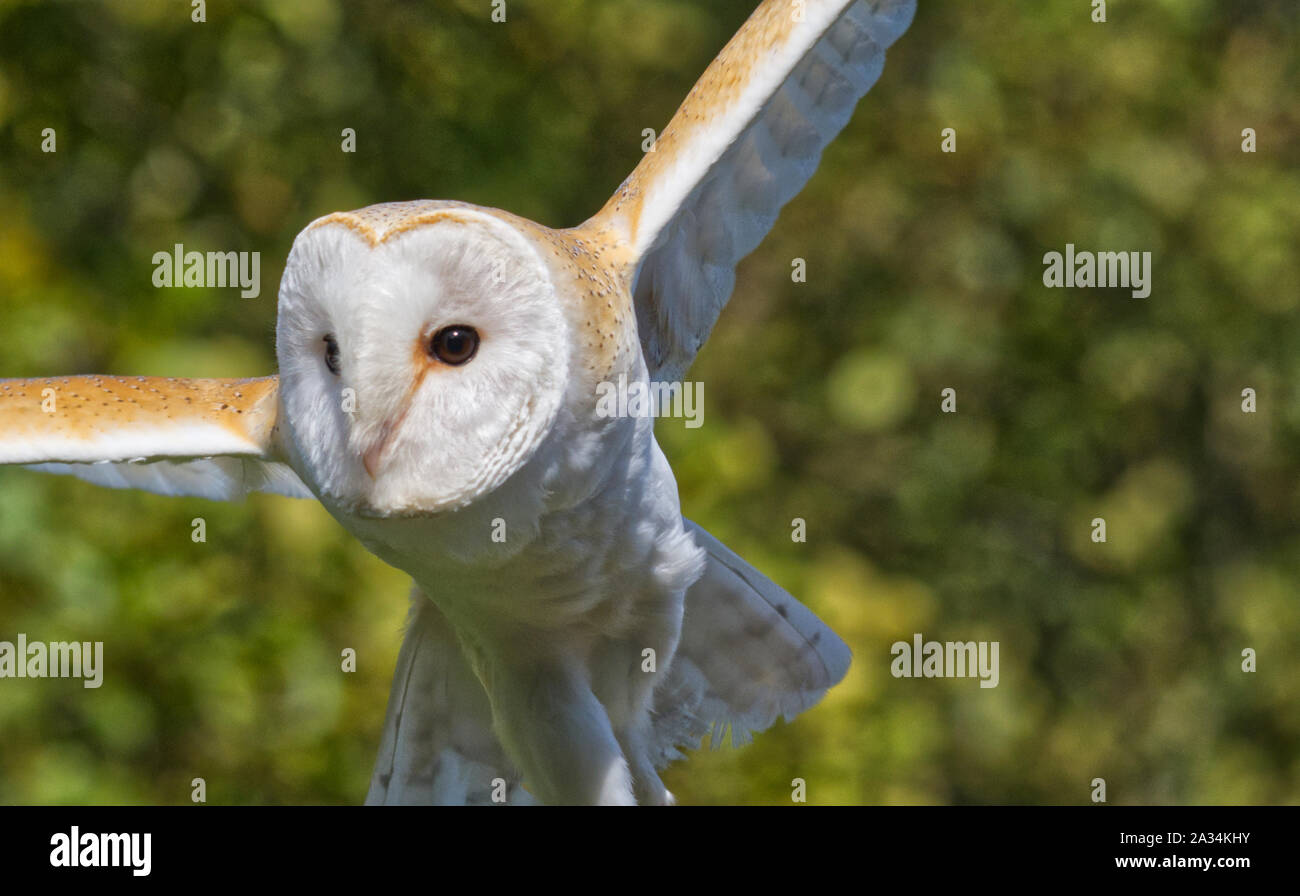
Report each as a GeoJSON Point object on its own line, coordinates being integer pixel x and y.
{"type": "Point", "coordinates": [88, 408]}
{"type": "Point", "coordinates": [588, 265]}
{"type": "Point", "coordinates": [716, 91]}
{"type": "Point", "coordinates": [378, 223]}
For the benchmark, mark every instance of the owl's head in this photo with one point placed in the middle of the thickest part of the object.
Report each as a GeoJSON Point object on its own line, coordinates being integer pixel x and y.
{"type": "Point", "coordinates": [423, 356]}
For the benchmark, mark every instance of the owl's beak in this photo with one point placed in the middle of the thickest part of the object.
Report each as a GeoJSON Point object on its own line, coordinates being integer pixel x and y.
{"type": "Point", "coordinates": [373, 456]}
{"type": "Point", "coordinates": [370, 459]}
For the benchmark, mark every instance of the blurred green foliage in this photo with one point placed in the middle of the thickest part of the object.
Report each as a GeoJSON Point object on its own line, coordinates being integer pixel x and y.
{"type": "Point", "coordinates": [1119, 660]}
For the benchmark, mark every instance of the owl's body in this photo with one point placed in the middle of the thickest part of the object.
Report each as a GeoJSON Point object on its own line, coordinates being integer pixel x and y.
{"type": "Point", "coordinates": [566, 584]}
{"type": "Point", "coordinates": [440, 367]}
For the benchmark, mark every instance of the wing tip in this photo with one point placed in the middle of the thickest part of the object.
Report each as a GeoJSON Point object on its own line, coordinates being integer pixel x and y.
{"type": "Point", "coordinates": [890, 19]}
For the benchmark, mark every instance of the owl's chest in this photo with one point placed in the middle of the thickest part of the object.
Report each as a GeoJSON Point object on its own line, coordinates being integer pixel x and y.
{"type": "Point", "coordinates": [588, 570]}
{"type": "Point", "coordinates": [598, 569]}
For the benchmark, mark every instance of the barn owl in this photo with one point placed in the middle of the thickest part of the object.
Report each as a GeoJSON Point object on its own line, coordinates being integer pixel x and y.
{"type": "Point", "coordinates": [439, 365]}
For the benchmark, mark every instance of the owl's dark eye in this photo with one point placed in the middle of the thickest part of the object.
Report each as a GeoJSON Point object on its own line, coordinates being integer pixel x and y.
{"type": "Point", "coordinates": [454, 345]}
{"type": "Point", "coordinates": [332, 353]}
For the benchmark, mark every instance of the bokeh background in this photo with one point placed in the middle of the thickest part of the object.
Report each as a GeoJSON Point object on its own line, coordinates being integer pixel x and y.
{"type": "Point", "coordinates": [1119, 660]}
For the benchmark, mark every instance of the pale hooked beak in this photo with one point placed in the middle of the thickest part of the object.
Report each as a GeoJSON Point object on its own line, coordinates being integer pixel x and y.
{"type": "Point", "coordinates": [373, 456]}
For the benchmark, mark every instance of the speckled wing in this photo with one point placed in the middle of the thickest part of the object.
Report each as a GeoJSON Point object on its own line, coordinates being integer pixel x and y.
{"type": "Point", "coordinates": [744, 142]}
{"type": "Point", "coordinates": [208, 438]}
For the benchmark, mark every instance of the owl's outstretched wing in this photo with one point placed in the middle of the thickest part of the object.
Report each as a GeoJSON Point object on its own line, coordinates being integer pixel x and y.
{"type": "Point", "coordinates": [749, 654]}
{"type": "Point", "coordinates": [207, 438]}
{"type": "Point", "coordinates": [744, 142]}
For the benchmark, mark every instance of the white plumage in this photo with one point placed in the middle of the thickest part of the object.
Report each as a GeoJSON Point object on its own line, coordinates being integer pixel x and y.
{"type": "Point", "coordinates": [439, 370]}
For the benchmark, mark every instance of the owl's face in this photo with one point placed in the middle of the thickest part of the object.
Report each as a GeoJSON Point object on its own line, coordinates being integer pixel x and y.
{"type": "Point", "coordinates": [423, 357]}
